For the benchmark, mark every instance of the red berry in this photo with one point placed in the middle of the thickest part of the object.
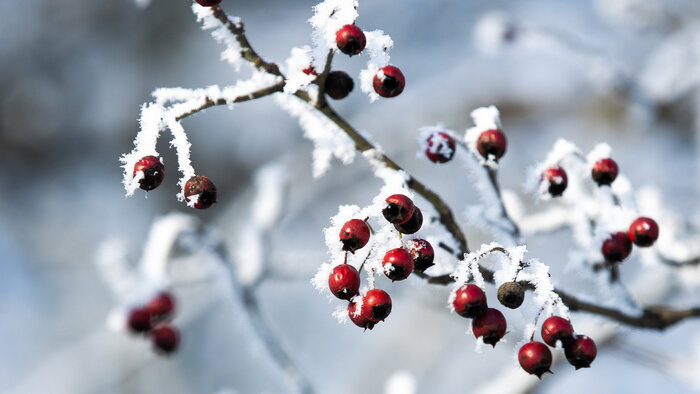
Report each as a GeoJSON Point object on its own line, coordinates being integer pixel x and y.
{"type": "Point", "coordinates": [413, 224]}
{"type": "Point", "coordinates": [153, 172]}
{"type": "Point", "coordinates": [490, 325]}
{"type": "Point", "coordinates": [165, 339]}
{"type": "Point", "coordinates": [389, 82]}
{"type": "Point", "coordinates": [492, 142]}
{"type": "Point", "coordinates": [581, 351]}
{"type": "Point", "coordinates": [399, 209]}
{"type": "Point", "coordinates": [338, 84]}
{"type": "Point", "coordinates": [643, 231]}
{"type": "Point", "coordinates": [139, 320]}
{"type": "Point", "coordinates": [617, 247]}
{"type": "Point", "coordinates": [350, 40]}
{"type": "Point", "coordinates": [535, 358]}
{"type": "Point", "coordinates": [422, 254]}
{"type": "Point", "coordinates": [208, 3]}
{"type": "Point", "coordinates": [440, 147]}
{"type": "Point", "coordinates": [470, 301]}
{"type": "Point", "coordinates": [202, 190]}
{"type": "Point", "coordinates": [362, 319]}
{"type": "Point", "coordinates": [377, 305]}
{"type": "Point", "coordinates": [397, 264]}
{"type": "Point", "coordinates": [354, 235]}
{"type": "Point", "coordinates": [557, 328]}
{"type": "Point", "coordinates": [344, 281]}
{"type": "Point", "coordinates": [604, 171]}
{"type": "Point", "coordinates": [161, 307]}
{"type": "Point", "coordinates": [556, 176]}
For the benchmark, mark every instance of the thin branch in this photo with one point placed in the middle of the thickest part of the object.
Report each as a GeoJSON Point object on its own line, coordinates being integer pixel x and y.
{"type": "Point", "coordinates": [321, 81]}
{"type": "Point", "coordinates": [208, 103]}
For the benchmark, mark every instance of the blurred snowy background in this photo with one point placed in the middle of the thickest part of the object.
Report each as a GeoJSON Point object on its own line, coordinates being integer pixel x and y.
{"type": "Point", "coordinates": [74, 74]}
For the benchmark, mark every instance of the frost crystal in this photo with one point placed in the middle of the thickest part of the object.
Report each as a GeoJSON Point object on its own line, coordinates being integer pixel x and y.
{"type": "Point", "coordinates": [232, 53]}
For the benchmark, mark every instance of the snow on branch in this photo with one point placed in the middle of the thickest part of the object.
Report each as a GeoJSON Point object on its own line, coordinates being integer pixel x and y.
{"type": "Point", "coordinates": [329, 16]}
{"type": "Point", "coordinates": [232, 54]}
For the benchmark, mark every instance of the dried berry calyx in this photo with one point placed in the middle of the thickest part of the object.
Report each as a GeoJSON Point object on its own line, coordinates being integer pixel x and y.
{"type": "Point", "coordinates": [511, 294]}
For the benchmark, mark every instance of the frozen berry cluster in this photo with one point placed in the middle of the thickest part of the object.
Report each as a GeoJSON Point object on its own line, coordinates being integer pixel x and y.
{"type": "Point", "coordinates": [154, 320]}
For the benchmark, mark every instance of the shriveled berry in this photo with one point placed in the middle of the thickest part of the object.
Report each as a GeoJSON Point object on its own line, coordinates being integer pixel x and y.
{"type": "Point", "coordinates": [604, 171]}
{"type": "Point", "coordinates": [398, 209]}
{"type": "Point", "coordinates": [139, 320]}
{"type": "Point", "coordinates": [361, 318]}
{"type": "Point", "coordinates": [208, 3]}
{"type": "Point", "coordinates": [616, 247]}
{"type": "Point", "coordinates": [165, 338]}
{"type": "Point", "coordinates": [153, 172]}
{"type": "Point", "coordinates": [581, 351]}
{"type": "Point", "coordinates": [556, 176]}
{"type": "Point", "coordinates": [470, 301]}
{"type": "Point", "coordinates": [440, 147]}
{"type": "Point", "coordinates": [389, 81]}
{"type": "Point", "coordinates": [338, 84]}
{"type": "Point", "coordinates": [350, 40]}
{"type": "Point", "coordinates": [511, 294]}
{"type": "Point", "coordinates": [643, 231]}
{"type": "Point", "coordinates": [354, 235]}
{"type": "Point", "coordinates": [492, 142]}
{"type": "Point", "coordinates": [397, 264]}
{"type": "Point", "coordinates": [376, 304]}
{"type": "Point", "coordinates": [201, 190]}
{"type": "Point", "coordinates": [535, 358]}
{"type": "Point", "coordinates": [161, 307]}
{"type": "Point", "coordinates": [556, 328]}
{"type": "Point", "coordinates": [344, 281]}
{"type": "Point", "coordinates": [422, 254]}
{"type": "Point", "coordinates": [490, 326]}
{"type": "Point", "coordinates": [413, 224]}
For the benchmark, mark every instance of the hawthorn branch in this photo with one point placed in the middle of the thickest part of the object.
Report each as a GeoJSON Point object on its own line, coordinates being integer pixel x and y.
{"type": "Point", "coordinates": [209, 102]}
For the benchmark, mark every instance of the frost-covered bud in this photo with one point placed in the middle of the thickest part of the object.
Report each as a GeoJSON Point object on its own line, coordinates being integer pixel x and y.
{"type": "Point", "coordinates": [377, 305]}
{"type": "Point", "coordinates": [511, 295]}
{"type": "Point", "coordinates": [490, 326]}
{"type": "Point", "coordinates": [201, 190]}
{"type": "Point", "coordinates": [470, 301]}
{"type": "Point", "coordinates": [389, 82]}
{"type": "Point", "coordinates": [397, 264]}
{"type": "Point", "coordinates": [440, 147]}
{"type": "Point", "coordinates": [413, 224]}
{"type": "Point", "coordinates": [153, 172]}
{"type": "Point", "coordinates": [208, 3]}
{"type": "Point", "coordinates": [165, 338]}
{"type": "Point", "coordinates": [338, 85]}
{"type": "Point", "coordinates": [535, 358]}
{"type": "Point", "coordinates": [492, 142]}
{"type": "Point", "coordinates": [556, 328]}
{"type": "Point", "coordinates": [643, 231]}
{"type": "Point", "coordinates": [354, 235]}
{"type": "Point", "coordinates": [581, 352]}
{"type": "Point", "coordinates": [350, 40]}
{"type": "Point", "coordinates": [422, 253]}
{"type": "Point", "coordinates": [344, 281]}
{"type": "Point", "coordinates": [616, 247]}
{"type": "Point", "coordinates": [556, 176]}
{"type": "Point", "coordinates": [399, 209]}
{"type": "Point", "coordinates": [604, 171]}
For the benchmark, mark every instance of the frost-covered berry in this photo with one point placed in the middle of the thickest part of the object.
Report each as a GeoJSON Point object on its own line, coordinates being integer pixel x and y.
{"type": "Point", "coordinates": [604, 171]}
{"type": "Point", "coordinates": [354, 235]}
{"type": "Point", "coordinates": [556, 176]}
{"type": "Point", "coordinates": [556, 328]}
{"type": "Point", "coordinates": [350, 40]}
{"type": "Point", "coordinates": [413, 224]}
{"type": "Point", "coordinates": [361, 318]}
{"type": "Point", "coordinates": [338, 84]}
{"type": "Point", "coordinates": [643, 231]}
{"type": "Point", "coordinates": [397, 264]}
{"type": "Point", "coordinates": [492, 142]}
{"type": "Point", "coordinates": [344, 281]}
{"type": "Point", "coordinates": [440, 147]}
{"type": "Point", "coordinates": [470, 301]}
{"type": "Point", "coordinates": [422, 254]}
{"type": "Point", "coordinates": [616, 247]}
{"type": "Point", "coordinates": [162, 306]}
{"type": "Point", "coordinates": [535, 358]}
{"type": "Point", "coordinates": [139, 320]}
{"type": "Point", "coordinates": [165, 339]}
{"type": "Point", "coordinates": [511, 294]}
{"type": "Point", "coordinates": [398, 209]}
{"type": "Point", "coordinates": [490, 326]}
{"type": "Point", "coordinates": [201, 190]}
{"type": "Point", "coordinates": [208, 3]}
{"type": "Point", "coordinates": [581, 351]}
{"type": "Point", "coordinates": [153, 172]}
{"type": "Point", "coordinates": [389, 81]}
{"type": "Point", "coordinates": [376, 304]}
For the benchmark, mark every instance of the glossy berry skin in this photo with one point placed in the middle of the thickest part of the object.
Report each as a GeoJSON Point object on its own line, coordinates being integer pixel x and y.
{"type": "Point", "coordinates": [556, 328]}
{"type": "Point", "coordinates": [422, 254]}
{"type": "Point", "coordinates": [413, 224]}
{"type": "Point", "coordinates": [643, 231]}
{"type": "Point", "coordinates": [492, 142]}
{"type": "Point", "coordinates": [440, 147]}
{"type": "Point", "coordinates": [490, 326]}
{"type": "Point", "coordinates": [338, 85]}
{"type": "Point", "coordinates": [604, 171]}
{"type": "Point", "coordinates": [397, 264]}
{"type": "Point", "coordinates": [354, 235]}
{"type": "Point", "coordinates": [399, 209]}
{"type": "Point", "coordinates": [208, 3]}
{"type": "Point", "coordinates": [470, 301]}
{"type": "Point", "coordinates": [350, 40]}
{"type": "Point", "coordinates": [362, 319]}
{"type": "Point", "coordinates": [511, 295]}
{"type": "Point", "coordinates": [535, 358]}
{"type": "Point", "coordinates": [556, 176]}
{"type": "Point", "coordinates": [139, 320]}
{"type": "Point", "coordinates": [389, 82]}
{"type": "Point", "coordinates": [165, 338]}
{"type": "Point", "coordinates": [203, 188]}
{"type": "Point", "coordinates": [161, 307]}
{"type": "Point", "coordinates": [344, 281]}
{"type": "Point", "coordinates": [581, 351]}
{"type": "Point", "coordinates": [616, 247]}
{"type": "Point", "coordinates": [153, 172]}
{"type": "Point", "coordinates": [376, 304]}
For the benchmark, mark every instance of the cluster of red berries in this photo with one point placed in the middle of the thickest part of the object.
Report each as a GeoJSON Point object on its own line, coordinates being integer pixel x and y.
{"type": "Point", "coordinates": [642, 232]}
{"type": "Point", "coordinates": [153, 319]}
{"type": "Point", "coordinates": [398, 264]}
{"type": "Point", "coordinates": [198, 188]}
{"type": "Point", "coordinates": [489, 324]}
{"type": "Point", "coordinates": [440, 146]}
{"type": "Point", "coordinates": [604, 172]}
{"type": "Point", "coordinates": [536, 358]}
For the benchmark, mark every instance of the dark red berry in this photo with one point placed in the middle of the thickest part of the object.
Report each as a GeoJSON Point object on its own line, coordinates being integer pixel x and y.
{"type": "Point", "coordinates": [208, 3]}
{"type": "Point", "coordinates": [581, 351]}
{"type": "Point", "coordinates": [440, 147]}
{"type": "Point", "coordinates": [139, 320]}
{"type": "Point", "coordinates": [398, 209]}
{"type": "Point", "coordinates": [376, 304]}
{"type": "Point", "coordinates": [617, 247]}
{"type": "Point", "coordinates": [165, 339]}
{"type": "Point", "coordinates": [354, 235]}
{"type": "Point", "coordinates": [389, 82]}
{"type": "Point", "coordinates": [161, 307]}
{"type": "Point", "coordinates": [555, 329]}
{"type": "Point", "coordinates": [490, 326]}
{"type": "Point", "coordinates": [535, 358]}
{"type": "Point", "coordinates": [413, 224]}
{"type": "Point", "coordinates": [350, 40]}
{"type": "Point", "coordinates": [397, 264]}
{"type": "Point", "coordinates": [201, 190]}
{"type": "Point", "coordinates": [604, 171]}
{"type": "Point", "coordinates": [344, 281]}
{"type": "Point", "coordinates": [556, 176]}
{"type": "Point", "coordinates": [511, 295]}
{"type": "Point", "coordinates": [492, 142]}
{"type": "Point", "coordinates": [362, 319]}
{"type": "Point", "coordinates": [470, 301]}
{"type": "Point", "coordinates": [153, 172]}
{"type": "Point", "coordinates": [309, 70]}
{"type": "Point", "coordinates": [338, 84]}
{"type": "Point", "coordinates": [643, 231]}
{"type": "Point", "coordinates": [422, 254]}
